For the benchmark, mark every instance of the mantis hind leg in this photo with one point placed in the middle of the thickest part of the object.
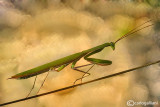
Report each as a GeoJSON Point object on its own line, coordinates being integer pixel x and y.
{"type": "Point", "coordinates": [59, 69]}
{"type": "Point", "coordinates": [34, 84]}
{"type": "Point", "coordinates": [32, 87]}
{"type": "Point", "coordinates": [43, 82]}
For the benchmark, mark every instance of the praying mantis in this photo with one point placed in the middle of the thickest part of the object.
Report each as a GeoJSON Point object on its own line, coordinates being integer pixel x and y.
{"type": "Point", "coordinates": [61, 63]}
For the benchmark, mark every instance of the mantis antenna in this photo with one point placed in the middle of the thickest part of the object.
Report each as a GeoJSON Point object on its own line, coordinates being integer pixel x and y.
{"type": "Point", "coordinates": [135, 30]}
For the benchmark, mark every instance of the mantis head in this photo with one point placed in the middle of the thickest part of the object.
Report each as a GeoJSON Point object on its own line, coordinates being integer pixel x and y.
{"type": "Point", "coordinates": [112, 44]}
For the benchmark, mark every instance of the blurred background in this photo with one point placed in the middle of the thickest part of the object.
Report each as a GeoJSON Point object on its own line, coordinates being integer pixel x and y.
{"type": "Point", "coordinates": [34, 32]}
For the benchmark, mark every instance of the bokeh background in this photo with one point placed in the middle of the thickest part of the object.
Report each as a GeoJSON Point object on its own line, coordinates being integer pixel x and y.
{"type": "Point", "coordinates": [34, 32]}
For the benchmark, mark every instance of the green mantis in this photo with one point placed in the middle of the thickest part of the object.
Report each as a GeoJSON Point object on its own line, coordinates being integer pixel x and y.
{"type": "Point", "coordinates": [61, 63]}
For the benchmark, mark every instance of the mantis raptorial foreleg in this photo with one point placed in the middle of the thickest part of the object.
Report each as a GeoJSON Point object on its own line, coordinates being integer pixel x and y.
{"type": "Point", "coordinates": [94, 61]}
{"type": "Point", "coordinates": [97, 61]}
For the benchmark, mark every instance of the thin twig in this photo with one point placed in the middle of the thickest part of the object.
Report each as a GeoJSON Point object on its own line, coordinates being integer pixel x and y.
{"type": "Point", "coordinates": [72, 86]}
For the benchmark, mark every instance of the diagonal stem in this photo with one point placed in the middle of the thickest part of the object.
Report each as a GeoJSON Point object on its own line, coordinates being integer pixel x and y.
{"type": "Point", "coordinates": [72, 86]}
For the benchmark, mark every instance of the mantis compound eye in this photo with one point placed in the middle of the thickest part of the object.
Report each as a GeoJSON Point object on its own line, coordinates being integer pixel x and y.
{"type": "Point", "coordinates": [112, 45]}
